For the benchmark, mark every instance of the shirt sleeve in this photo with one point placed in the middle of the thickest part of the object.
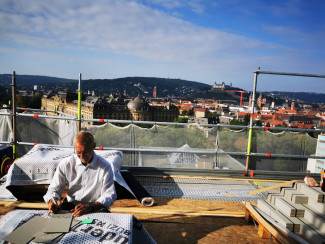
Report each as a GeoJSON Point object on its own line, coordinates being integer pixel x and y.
{"type": "Point", "coordinates": [57, 185]}
{"type": "Point", "coordinates": [108, 193]}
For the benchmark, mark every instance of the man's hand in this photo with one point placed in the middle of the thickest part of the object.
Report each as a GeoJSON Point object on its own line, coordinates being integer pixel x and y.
{"type": "Point", "coordinates": [54, 207]}
{"type": "Point", "coordinates": [81, 209]}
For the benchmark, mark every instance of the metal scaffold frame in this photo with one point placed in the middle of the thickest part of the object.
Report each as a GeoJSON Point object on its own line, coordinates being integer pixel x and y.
{"type": "Point", "coordinates": [79, 119]}
{"type": "Point", "coordinates": [256, 73]}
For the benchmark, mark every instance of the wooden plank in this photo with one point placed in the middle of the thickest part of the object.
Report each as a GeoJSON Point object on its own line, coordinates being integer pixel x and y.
{"type": "Point", "coordinates": [273, 187]}
{"type": "Point", "coordinates": [262, 232]}
{"type": "Point", "coordinates": [206, 178]}
{"type": "Point", "coordinates": [177, 212]}
{"type": "Point", "coordinates": [130, 210]}
{"type": "Point", "coordinates": [275, 214]}
{"type": "Point", "coordinates": [261, 221]}
{"type": "Point", "coordinates": [16, 204]}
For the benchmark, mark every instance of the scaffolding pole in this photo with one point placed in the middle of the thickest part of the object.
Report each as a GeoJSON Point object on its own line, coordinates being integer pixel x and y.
{"type": "Point", "coordinates": [79, 103]}
{"type": "Point", "coordinates": [250, 132]}
{"type": "Point", "coordinates": [14, 115]}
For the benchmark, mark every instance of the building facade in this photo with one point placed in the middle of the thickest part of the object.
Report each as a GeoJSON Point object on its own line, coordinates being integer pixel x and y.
{"type": "Point", "coordinates": [109, 108]}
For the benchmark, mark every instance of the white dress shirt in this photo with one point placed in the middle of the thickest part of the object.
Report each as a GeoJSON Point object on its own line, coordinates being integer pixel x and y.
{"type": "Point", "coordinates": [87, 184]}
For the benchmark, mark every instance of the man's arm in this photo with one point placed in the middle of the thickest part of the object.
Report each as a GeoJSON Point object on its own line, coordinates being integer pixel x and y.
{"type": "Point", "coordinates": [81, 209]}
{"type": "Point", "coordinates": [55, 190]}
{"type": "Point", "coordinates": [108, 192]}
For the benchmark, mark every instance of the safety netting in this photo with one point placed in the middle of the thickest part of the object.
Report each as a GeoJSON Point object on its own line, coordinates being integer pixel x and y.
{"type": "Point", "coordinates": [37, 130]}
{"type": "Point", "coordinates": [173, 146]}
{"type": "Point", "coordinates": [5, 126]}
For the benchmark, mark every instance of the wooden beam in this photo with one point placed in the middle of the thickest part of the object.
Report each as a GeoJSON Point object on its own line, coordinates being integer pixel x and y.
{"type": "Point", "coordinates": [131, 210]}
{"type": "Point", "coordinates": [261, 221]}
{"type": "Point", "coordinates": [177, 212]}
{"type": "Point", "coordinates": [205, 178]}
{"type": "Point", "coordinates": [16, 204]}
{"type": "Point", "coordinates": [273, 187]}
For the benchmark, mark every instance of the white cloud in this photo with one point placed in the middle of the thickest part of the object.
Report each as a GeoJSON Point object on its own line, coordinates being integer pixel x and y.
{"type": "Point", "coordinates": [118, 26]}
{"type": "Point", "coordinates": [127, 33]}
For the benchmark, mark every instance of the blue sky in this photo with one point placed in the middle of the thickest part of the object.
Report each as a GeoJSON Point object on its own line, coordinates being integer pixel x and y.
{"type": "Point", "coordinates": [198, 40]}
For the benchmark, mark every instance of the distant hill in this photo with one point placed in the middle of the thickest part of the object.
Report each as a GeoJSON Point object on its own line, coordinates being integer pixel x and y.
{"type": "Point", "coordinates": [133, 85]}
{"type": "Point", "coordinates": [307, 97]}
{"type": "Point", "coordinates": [30, 80]}
{"type": "Point", "coordinates": [144, 86]}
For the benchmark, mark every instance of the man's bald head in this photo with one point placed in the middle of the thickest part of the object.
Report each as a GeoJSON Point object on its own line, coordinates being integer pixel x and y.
{"type": "Point", "coordinates": [84, 138]}
{"type": "Point", "coordinates": [84, 145]}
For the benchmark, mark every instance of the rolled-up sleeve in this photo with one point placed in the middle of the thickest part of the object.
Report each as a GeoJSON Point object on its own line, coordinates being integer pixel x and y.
{"type": "Point", "coordinates": [108, 193]}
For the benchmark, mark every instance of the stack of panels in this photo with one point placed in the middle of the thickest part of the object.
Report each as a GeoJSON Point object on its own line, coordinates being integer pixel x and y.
{"type": "Point", "coordinates": [300, 209]}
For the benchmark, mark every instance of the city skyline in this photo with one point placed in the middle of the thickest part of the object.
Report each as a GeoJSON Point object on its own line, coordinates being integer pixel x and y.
{"type": "Point", "coordinates": [204, 41]}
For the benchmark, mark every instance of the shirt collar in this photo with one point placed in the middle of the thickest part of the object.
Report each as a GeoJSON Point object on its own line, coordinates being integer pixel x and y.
{"type": "Point", "coordinates": [92, 163]}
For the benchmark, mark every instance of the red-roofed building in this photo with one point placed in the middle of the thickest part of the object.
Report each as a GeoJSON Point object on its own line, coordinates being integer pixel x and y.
{"type": "Point", "coordinates": [302, 126]}
{"type": "Point", "coordinates": [201, 112]}
{"type": "Point", "coordinates": [278, 116]}
{"type": "Point", "coordinates": [273, 122]}
{"type": "Point", "coordinates": [263, 117]}
{"type": "Point", "coordinates": [286, 111]}
{"type": "Point", "coordinates": [184, 107]}
{"type": "Point", "coordinates": [242, 114]}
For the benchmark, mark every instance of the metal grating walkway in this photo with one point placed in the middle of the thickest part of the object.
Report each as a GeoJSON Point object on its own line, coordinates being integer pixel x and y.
{"type": "Point", "coordinates": [205, 189]}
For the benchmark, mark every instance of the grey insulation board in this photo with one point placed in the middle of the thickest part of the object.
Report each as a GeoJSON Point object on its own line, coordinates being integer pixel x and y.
{"type": "Point", "coordinates": [26, 232]}
{"type": "Point", "coordinates": [310, 233]}
{"type": "Point", "coordinates": [50, 237]}
{"type": "Point", "coordinates": [311, 192]}
{"type": "Point", "coordinates": [275, 214]}
{"type": "Point", "coordinates": [319, 208]}
{"type": "Point", "coordinates": [287, 209]}
{"type": "Point", "coordinates": [271, 197]}
{"type": "Point", "coordinates": [58, 223]}
{"type": "Point", "coordinates": [316, 219]}
{"type": "Point", "coordinates": [290, 209]}
{"type": "Point", "coordinates": [265, 207]}
{"type": "Point", "coordinates": [295, 196]}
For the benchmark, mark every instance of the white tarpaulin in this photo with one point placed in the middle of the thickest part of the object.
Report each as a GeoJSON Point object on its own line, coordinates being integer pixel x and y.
{"type": "Point", "coordinates": [105, 228]}
{"type": "Point", "coordinates": [39, 164]}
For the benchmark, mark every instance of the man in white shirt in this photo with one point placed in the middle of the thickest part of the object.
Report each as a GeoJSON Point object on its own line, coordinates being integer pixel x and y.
{"type": "Point", "coordinates": [89, 179]}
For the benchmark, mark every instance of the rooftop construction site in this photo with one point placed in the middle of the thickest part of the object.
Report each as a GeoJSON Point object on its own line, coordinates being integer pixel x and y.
{"type": "Point", "coordinates": [175, 182]}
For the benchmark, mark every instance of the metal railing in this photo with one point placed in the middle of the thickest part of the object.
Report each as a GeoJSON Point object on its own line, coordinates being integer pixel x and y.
{"type": "Point", "coordinates": [14, 114]}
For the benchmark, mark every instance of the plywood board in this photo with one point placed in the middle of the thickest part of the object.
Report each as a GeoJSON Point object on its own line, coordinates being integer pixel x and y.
{"type": "Point", "coordinates": [50, 237]}
{"type": "Point", "coordinates": [58, 223]}
{"type": "Point", "coordinates": [26, 232]}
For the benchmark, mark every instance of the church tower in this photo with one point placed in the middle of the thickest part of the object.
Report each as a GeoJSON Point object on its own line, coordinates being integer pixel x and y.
{"type": "Point", "coordinates": [155, 92]}
{"type": "Point", "coordinates": [250, 100]}
{"type": "Point", "coordinates": [259, 101]}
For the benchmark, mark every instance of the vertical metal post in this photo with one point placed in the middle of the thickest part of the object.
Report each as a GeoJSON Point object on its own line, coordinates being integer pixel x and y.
{"type": "Point", "coordinates": [79, 103]}
{"type": "Point", "coordinates": [249, 144]}
{"type": "Point", "coordinates": [14, 140]}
